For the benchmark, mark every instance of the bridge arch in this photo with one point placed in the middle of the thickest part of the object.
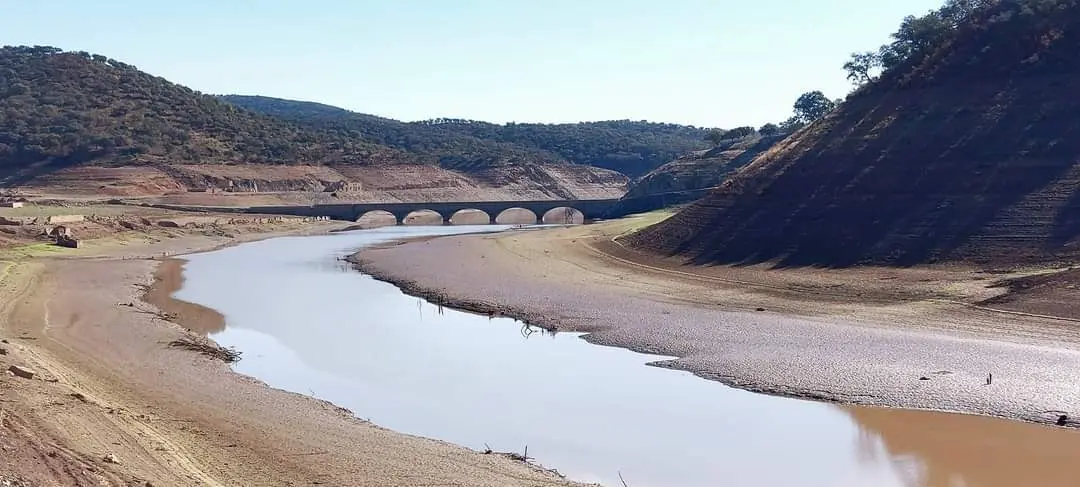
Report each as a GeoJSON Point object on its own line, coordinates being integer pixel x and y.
{"type": "Point", "coordinates": [563, 215]}
{"type": "Point", "coordinates": [377, 218]}
{"type": "Point", "coordinates": [516, 216]}
{"type": "Point", "coordinates": [470, 216]}
{"type": "Point", "coordinates": [423, 217]}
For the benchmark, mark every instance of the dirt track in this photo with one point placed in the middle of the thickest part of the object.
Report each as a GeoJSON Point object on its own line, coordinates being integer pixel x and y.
{"type": "Point", "coordinates": [864, 336]}
{"type": "Point", "coordinates": [107, 383]}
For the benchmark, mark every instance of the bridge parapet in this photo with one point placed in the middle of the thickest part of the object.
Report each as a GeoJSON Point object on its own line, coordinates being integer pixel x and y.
{"type": "Point", "coordinates": [590, 209]}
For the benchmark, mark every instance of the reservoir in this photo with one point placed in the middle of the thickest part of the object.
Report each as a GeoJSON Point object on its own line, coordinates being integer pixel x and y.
{"type": "Point", "coordinates": [308, 323]}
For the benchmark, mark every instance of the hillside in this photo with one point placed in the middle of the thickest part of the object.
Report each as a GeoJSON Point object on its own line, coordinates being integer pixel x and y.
{"type": "Point", "coordinates": [458, 151]}
{"type": "Point", "coordinates": [83, 124]}
{"type": "Point", "coordinates": [702, 169]}
{"type": "Point", "coordinates": [632, 148]}
{"type": "Point", "coordinates": [965, 149]}
{"type": "Point", "coordinates": [61, 109]}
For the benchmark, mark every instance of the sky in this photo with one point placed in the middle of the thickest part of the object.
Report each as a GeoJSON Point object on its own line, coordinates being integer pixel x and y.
{"type": "Point", "coordinates": [710, 63]}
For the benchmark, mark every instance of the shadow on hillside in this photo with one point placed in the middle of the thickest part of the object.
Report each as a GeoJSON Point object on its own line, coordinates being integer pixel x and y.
{"type": "Point", "coordinates": [19, 173]}
{"type": "Point", "coordinates": [911, 178]}
{"type": "Point", "coordinates": [969, 156]}
{"type": "Point", "coordinates": [1067, 224]}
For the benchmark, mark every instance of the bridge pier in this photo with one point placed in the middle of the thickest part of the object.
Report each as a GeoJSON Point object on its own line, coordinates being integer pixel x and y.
{"type": "Point", "coordinates": [590, 209]}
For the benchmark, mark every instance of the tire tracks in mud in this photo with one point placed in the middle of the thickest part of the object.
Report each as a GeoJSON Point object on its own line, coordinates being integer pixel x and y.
{"type": "Point", "coordinates": [18, 283]}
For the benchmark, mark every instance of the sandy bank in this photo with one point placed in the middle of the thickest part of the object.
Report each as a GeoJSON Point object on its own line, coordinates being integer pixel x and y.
{"type": "Point", "coordinates": [108, 383]}
{"type": "Point", "coordinates": [887, 337]}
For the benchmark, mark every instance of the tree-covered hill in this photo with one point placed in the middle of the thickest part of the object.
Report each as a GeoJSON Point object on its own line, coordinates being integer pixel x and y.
{"type": "Point", "coordinates": [450, 150]}
{"type": "Point", "coordinates": [59, 109]}
{"type": "Point", "coordinates": [633, 148]}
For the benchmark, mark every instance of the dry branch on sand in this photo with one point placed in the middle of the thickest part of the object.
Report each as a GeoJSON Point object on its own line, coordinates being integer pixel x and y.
{"type": "Point", "coordinates": [524, 458]}
{"type": "Point", "coordinates": [207, 347]}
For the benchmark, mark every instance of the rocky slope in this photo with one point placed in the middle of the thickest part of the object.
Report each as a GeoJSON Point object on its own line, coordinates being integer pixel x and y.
{"type": "Point", "coordinates": [966, 151]}
{"type": "Point", "coordinates": [73, 123]}
{"type": "Point", "coordinates": [701, 169]}
{"type": "Point", "coordinates": [259, 185]}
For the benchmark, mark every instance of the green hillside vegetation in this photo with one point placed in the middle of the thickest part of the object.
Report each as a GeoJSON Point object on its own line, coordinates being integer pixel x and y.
{"type": "Point", "coordinates": [59, 109]}
{"type": "Point", "coordinates": [450, 150]}
{"type": "Point", "coordinates": [630, 147]}
{"type": "Point", "coordinates": [961, 143]}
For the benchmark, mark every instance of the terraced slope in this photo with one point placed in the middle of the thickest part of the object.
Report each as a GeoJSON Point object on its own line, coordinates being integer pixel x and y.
{"type": "Point", "coordinates": [970, 152]}
{"type": "Point", "coordinates": [701, 169]}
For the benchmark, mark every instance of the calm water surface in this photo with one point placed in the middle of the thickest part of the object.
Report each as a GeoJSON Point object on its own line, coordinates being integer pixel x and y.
{"type": "Point", "coordinates": [308, 323]}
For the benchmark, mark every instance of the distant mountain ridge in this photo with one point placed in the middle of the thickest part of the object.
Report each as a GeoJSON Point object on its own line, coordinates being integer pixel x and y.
{"type": "Point", "coordinates": [630, 147]}
{"type": "Point", "coordinates": [81, 123]}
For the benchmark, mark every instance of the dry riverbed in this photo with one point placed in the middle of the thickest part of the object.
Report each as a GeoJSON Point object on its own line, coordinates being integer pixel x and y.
{"type": "Point", "coordinates": [111, 403]}
{"type": "Point", "coordinates": [923, 338]}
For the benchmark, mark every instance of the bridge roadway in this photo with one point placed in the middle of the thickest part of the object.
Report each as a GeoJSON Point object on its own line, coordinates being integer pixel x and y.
{"type": "Point", "coordinates": [590, 209]}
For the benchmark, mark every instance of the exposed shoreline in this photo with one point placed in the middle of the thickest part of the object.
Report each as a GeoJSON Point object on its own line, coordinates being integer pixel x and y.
{"type": "Point", "coordinates": [473, 305]}
{"type": "Point", "coordinates": [851, 353]}
{"type": "Point", "coordinates": [108, 383]}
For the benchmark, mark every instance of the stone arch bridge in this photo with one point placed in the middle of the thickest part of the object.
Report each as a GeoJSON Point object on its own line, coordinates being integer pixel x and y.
{"type": "Point", "coordinates": [589, 209]}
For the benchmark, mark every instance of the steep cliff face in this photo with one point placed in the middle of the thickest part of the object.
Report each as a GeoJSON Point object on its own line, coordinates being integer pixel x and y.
{"type": "Point", "coordinates": [970, 153]}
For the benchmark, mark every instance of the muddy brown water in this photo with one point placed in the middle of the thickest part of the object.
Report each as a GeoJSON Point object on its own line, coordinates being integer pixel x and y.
{"type": "Point", "coordinates": [308, 323]}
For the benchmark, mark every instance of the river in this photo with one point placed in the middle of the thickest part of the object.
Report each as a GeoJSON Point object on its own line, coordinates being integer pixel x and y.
{"type": "Point", "coordinates": [308, 323]}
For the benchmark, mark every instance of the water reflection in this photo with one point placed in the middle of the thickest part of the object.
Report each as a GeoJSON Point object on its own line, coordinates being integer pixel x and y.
{"type": "Point", "coordinates": [307, 324]}
{"type": "Point", "coordinates": [936, 450]}
{"type": "Point", "coordinates": [528, 331]}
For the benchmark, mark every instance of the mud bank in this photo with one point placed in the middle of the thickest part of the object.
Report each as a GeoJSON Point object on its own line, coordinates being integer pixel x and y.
{"type": "Point", "coordinates": [111, 403]}
{"type": "Point", "coordinates": [909, 353]}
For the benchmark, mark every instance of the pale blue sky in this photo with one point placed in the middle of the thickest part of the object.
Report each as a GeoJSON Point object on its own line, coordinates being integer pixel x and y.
{"type": "Point", "coordinates": [703, 62]}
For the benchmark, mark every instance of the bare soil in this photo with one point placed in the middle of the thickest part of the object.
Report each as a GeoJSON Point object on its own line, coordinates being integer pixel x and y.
{"type": "Point", "coordinates": [112, 403]}
{"type": "Point", "coordinates": [865, 335]}
{"type": "Point", "coordinates": [169, 278]}
{"type": "Point", "coordinates": [260, 185]}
